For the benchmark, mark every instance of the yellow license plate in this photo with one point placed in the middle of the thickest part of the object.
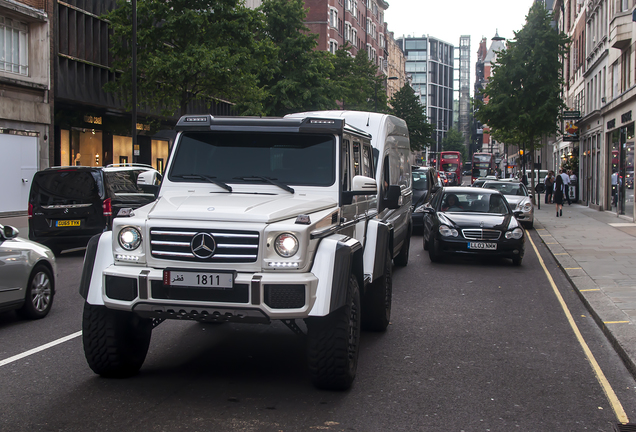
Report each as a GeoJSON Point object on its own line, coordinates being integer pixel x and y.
{"type": "Point", "coordinates": [67, 223]}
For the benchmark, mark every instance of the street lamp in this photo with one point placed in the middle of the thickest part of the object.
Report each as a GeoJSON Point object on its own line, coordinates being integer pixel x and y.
{"type": "Point", "coordinates": [134, 82]}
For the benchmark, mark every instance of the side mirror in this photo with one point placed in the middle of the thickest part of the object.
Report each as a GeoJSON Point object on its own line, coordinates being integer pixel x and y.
{"type": "Point", "coordinates": [9, 232]}
{"type": "Point", "coordinates": [148, 178]}
{"type": "Point", "coordinates": [392, 198]}
{"type": "Point", "coordinates": [362, 185]}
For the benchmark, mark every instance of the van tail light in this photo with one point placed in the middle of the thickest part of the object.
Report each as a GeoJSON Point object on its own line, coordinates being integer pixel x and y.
{"type": "Point", "coordinates": [30, 211]}
{"type": "Point", "coordinates": [107, 207]}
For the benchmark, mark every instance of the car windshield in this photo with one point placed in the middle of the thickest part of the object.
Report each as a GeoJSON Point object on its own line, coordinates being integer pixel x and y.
{"type": "Point", "coordinates": [507, 188]}
{"type": "Point", "coordinates": [473, 202]}
{"type": "Point", "coordinates": [420, 180]}
{"type": "Point", "coordinates": [248, 157]}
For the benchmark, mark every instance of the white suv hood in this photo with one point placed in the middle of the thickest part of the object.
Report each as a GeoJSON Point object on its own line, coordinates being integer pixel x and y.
{"type": "Point", "coordinates": [237, 207]}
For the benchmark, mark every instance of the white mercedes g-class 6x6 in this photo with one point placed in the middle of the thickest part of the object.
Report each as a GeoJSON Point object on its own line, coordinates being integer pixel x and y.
{"type": "Point", "coordinates": [257, 219]}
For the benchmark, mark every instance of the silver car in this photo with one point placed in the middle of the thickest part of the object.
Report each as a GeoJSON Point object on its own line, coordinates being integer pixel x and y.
{"type": "Point", "coordinates": [27, 275]}
{"type": "Point", "coordinates": [517, 196]}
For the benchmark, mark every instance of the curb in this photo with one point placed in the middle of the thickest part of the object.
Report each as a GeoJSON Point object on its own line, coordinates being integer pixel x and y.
{"type": "Point", "coordinates": [602, 309]}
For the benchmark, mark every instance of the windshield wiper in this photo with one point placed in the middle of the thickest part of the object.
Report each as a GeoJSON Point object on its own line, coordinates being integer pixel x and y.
{"type": "Point", "coordinates": [268, 180]}
{"type": "Point", "coordinates": [225, 186]}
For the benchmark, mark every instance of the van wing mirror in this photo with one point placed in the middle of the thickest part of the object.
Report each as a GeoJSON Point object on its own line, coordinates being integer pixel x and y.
{"type": "Point", "coordinates": [364, 185]}
{"type": "Point", "coordinates": [392, 197]}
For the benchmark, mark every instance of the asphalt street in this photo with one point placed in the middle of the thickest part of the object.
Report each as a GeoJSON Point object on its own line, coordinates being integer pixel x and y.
{"type": "Point", "coordinates": [473, 345]}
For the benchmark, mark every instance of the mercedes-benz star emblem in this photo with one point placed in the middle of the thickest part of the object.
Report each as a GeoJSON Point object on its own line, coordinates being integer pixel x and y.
{"type": "Point", "coordinates": [203, 245]}
{"type": "Point", "coordinates": [481, 224]}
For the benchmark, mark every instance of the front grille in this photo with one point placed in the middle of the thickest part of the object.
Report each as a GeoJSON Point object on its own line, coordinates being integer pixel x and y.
{"type": "Point", "coordinates": [481, 234]}
{"type": "Point", "coordinates": [230, 246]}
{"type": "Point", "coordinates": [238, 294]}
{"type": "Point", "coordinates": [284, 296]}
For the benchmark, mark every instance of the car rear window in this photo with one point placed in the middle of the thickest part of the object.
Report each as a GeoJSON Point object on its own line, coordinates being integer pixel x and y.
{"type": "Point", "coordinates": [122, 185]}
{"type": "Point", "coordinates": [507, 188]}
{"type": "Point", "coordinates": [420, 180]}
{"type": "Point", "coordinates": [62, 187]}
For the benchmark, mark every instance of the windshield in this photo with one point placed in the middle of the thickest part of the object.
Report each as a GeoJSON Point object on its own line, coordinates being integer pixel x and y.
{"type": "Point", "coordinates": [420, 180]}
{"type": "Point", "coordinates": [235, 157]}
{"type": "Point", "coordinates": [449, 167]}
{"type": "Point", "coordinates": [473, 202]}
{"type": "Point", "coordinates": [508, 188]}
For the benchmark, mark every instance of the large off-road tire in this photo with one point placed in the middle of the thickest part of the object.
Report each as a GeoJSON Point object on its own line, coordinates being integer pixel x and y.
{"type": "Point", "coordinates": [402, 259]}
{"type": "Point", "coordinates": [115, 342]}
{"type": "Point", "coordinates": [376, 302]}
{"type": "Point", "coordinates": [333, 343]}
{"type": "Point", "coordinates": [434, 252]}
{"type": "Point", "coordinates": [39, 293]}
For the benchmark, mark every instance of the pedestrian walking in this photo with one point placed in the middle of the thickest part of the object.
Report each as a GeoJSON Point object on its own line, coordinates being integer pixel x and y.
{"type": "Point", "coordinates": [558, 195]}
{"type": "Point", "coordinates": [566, 182]}
{"type": "Point", "coordinates": [549, 187]}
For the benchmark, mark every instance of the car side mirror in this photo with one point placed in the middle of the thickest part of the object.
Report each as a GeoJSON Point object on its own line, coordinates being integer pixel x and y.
{"type": "Point", "coordinates": [360, 185]}
{"type": "Point", "coordinates": [9, 232]}
{"type": "Point", "coordinates": [392, 197]}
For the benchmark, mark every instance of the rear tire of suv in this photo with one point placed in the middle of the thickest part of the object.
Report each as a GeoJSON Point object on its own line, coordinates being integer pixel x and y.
{"type": "Point", "coordinates": [402, 259]}
{"type": "Point", "coordinates": [115, 342]}
{"type": "Point", "coordinates": [376, 302]}
{"type": "Point", "coordinates": [333, 343]}
{"type": "Point", "coordinates": [39, 294]}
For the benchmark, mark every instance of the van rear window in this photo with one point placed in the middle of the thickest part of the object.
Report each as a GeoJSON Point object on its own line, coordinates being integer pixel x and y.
{"type": "Point", "coordinates": [66, 187]}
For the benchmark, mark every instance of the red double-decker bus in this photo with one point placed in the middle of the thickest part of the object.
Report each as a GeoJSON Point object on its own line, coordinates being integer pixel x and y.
{"type": "Point", "coordinates": [451, 162]}
{"type": "Point", "coordinates": [483, 165]}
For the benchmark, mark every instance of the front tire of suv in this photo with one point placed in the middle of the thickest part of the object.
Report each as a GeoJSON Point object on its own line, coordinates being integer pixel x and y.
{"type": "Point", "coordinates": [376, 302]}
{"type": "Point", "coordinates": [333, 343]}
{"type": "Point", "coordinates": [434, 252]}
{"type": "Point", "coordinates": [115, 342]}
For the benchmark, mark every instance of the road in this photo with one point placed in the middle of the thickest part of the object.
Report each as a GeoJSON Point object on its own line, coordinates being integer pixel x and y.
{"type": "Point", "coordinates": [472, 346]}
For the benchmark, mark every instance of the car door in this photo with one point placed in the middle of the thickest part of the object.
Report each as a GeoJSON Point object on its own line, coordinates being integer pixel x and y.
{"type": "Point", "coordinates": [13, 271]}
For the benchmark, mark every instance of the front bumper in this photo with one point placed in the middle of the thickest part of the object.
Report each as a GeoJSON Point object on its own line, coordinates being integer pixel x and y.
{"type": "Point", "coordinates": [508, 248]}
{"type": "Point", "coordinates": [254, 297]}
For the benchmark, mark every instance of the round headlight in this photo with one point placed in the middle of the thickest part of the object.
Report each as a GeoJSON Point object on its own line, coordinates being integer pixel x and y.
{"type": "Point", "coordinates": [516, 234]}
{"type": "Point", "coordinates": [286, 245]}
{"type": "Point", "coordinates": [447, 231]}
{"type": "Point", "coordinates": [129, 238]}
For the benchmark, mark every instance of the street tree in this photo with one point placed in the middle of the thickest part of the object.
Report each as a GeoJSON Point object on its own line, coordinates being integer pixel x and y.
{"type": "Point", "coordinates": [524, 93]}
{"type": "Point", "coordinates": [188, 50]}
{"type": "Point", "coordinates": [297, 77]}
{"type": "Point", "coordinates": [454, 141]}
{"type": "Point", "coordinates": [358, 83]}
{"type": "Point", "coordinates": [406, 105]}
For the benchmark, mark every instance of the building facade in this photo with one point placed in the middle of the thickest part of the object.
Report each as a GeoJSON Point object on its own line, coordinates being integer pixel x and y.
{"type": "Point", "coordinates": [25, 97]}
{"type": "Point", "coordinates": [430, 64]}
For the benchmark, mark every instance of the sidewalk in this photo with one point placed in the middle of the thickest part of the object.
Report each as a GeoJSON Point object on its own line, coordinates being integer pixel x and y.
{"type": "Point", "coordinates": [597, 252]}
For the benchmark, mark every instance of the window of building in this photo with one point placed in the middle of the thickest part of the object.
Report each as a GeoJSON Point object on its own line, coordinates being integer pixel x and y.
{"type": "Point", "coordinates": [354, 7]}
{"type": "Point", "coordinates": [416, 66]}
{"type": "Point", "coordinates": [333, 17]}
{"type": "Point", "coordinates": [347, 31]}
{"type": "Point", "coordinates": [417, 44]}
{"type": "Point", "coordinates": [382, 41]}
{"type": "Point", "coordinates": [14, 46]}
{"type": "Point", "coordinates": [416, 55]}
{"type": "Point", "coordinates": [333, 46]}
{"type": "Point", "coordinates": [625, 69]}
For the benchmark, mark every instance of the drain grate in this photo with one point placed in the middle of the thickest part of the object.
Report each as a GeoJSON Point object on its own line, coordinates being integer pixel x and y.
{"type": "Point", "coordinates": [628, 427]}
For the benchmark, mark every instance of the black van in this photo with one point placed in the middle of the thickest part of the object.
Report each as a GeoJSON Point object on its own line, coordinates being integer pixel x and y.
{"type": "Point", "coordinates": [69, 205]}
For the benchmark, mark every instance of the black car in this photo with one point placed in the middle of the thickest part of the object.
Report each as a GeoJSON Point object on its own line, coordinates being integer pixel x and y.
{"type": "Point", "coordinates": [472, 221]}
{"type": "Point", "coordinates": [425, 184]}
{"type": "Point", "coordinates": [69, 205]}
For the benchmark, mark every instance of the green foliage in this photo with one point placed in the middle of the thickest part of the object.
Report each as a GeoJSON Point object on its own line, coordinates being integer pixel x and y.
{"type": "Point", "coordinates": [297, 77]}
{"type": "Point", "coordinates": [525, 89]}
{"type": "Point", "coordinates": [454, 141]}
{"type": "Point", "coordinates": [187, 50]}
{"type": "Point", "coordinates": [357, 83]}
{"type": "Point", "coordinates": [406, 106]}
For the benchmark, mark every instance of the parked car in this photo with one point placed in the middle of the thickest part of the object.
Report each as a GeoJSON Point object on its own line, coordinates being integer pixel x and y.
{"type": "Point", "coordinates": [425, 184]}
{"type": "Point", "coordinates": [69, 205]}
{"type": "Point", "coordinates": [518, 197]}
{"type": "Point", "coordinates": [472, 221]}
{"type": "Point", "coordinates": [27, 275]}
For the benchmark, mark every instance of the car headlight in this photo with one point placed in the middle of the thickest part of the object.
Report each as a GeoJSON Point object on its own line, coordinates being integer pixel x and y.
{"type": "Point", "coordinates": [447, 231]}
{"type": "Point", "coordinates": [129, 238]}
{"type": "Point", "coordinates": [286, 245]}
{"type": "Point", "coordinates": [516, 234]}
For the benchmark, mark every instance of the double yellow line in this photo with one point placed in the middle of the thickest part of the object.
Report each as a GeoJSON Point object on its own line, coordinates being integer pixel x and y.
{"type": "Point", "coordinates": [600, 376]}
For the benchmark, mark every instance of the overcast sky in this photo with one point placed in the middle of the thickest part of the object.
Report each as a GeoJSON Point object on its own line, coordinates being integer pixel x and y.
{"type": "Point", "coordinates": [449, 19]}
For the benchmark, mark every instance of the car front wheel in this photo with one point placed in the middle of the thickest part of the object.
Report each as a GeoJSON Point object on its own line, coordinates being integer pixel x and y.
{"type": "Point", "coordinates": [434, 252]}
